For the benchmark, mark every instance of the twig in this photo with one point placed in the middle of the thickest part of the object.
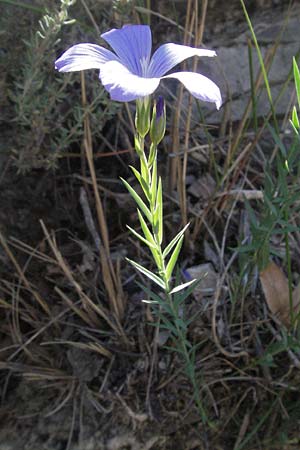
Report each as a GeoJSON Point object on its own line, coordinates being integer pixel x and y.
{"type": "Point", "coordinates": [88, 218]}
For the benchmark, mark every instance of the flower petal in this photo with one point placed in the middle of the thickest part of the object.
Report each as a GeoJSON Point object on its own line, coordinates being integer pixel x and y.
{"type": "Point", "coordinates": [168, 56]}
{"type": "Point", "coordinates": [123, 85]}
{"type": "Point", "coordinates": [132, 44]}
{"type": "Point", "coordinates": [199, 86]}
{"type": "Point", "coordinates": [82, 57]}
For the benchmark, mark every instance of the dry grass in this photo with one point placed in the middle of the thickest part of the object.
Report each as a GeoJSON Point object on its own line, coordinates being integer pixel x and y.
{"type": "Point", "coordinates": [77, 347]}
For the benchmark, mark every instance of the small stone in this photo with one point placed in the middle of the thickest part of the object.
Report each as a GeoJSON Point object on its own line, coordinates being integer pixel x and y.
{"type": "Point", "coordinates": [208, 276]}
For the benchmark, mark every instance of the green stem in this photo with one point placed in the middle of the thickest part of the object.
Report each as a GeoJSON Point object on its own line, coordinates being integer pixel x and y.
{"type": "Point", "coordinates": [181, 335]}
{"type": "Point", "coordinates": [189, 364]}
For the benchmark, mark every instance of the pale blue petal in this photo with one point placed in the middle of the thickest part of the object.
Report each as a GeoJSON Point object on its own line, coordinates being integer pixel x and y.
{"type": "Point", "coordinates": [132, 44]}
{"type": "Point", "coordinates": [124, 86]}
{"type": "Point", "coordinates": [168, 56]}
{"type": "Point", "coordinates": [199, 86]}
{"type": "Point", "coordinates": [82, 57]}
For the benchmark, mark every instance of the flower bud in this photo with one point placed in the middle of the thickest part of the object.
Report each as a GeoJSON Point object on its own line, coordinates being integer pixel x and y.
{"type": "Point", "coordinates": [142, 116]}
{"type": "Point", "coordinates": [158, 122]}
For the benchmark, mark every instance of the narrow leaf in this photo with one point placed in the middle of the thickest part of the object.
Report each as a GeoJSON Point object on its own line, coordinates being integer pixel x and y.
{"type": "Point", "coordinates": [277, 140]}
{"type": "Point", "coordinates": [148, 274]}
{"type": "Point", "coordinates": [151, 302]}
{"type": "Point", "coordinates": [150, 238]}
{"type": "Point", "coordinates": [295, 120]}
{"type": "Point", "coordinates": [144, 167]}
{"type": "Point", "coordinates": [297, 79]}
{"type": "Point", "coordinates": [179, 298]}
{"type": "Point", "coordinates": [142, 181]}
{"type": "Point", "coordinates": [159, 201]}
{"type": "Point", "coordinates": [151, 294]}
{"type": "Point", "coordinates": [167, 325]}
{"type": "Point", "coordinates": [146, 231]}
{"type": "Point", "coordinates": [181, 323]}
{"type": "Point", "coordinates": [137, 145]}
{"type": "Point", "coordinates": [295, 117]}
{"type": "Point", "coordinates": [152, 155]}
{"type": "Point", "coordinates": [149, 244]}
{"type": "Point", "coordinates": [174, 241]}
{"type": "Point", "coordinates": [173, 259]}
{"type": "Point", "coordinates": [181, 286]}
{"type": "Point", "coordinates": [138, 200]}
{"type": "Point", "coordinates": [153, 188]}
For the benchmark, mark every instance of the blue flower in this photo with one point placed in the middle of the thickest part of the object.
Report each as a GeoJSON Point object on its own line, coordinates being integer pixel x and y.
{"type": "Point", "coordinates": [131, 73]}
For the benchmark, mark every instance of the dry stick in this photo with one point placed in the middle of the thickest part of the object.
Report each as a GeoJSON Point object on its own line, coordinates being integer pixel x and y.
{"type": "Point", "coordinates": [221, 202]}
{"type": "Point", "coordinates": [92, 346]}
{"type": "Point", "coordinates": [84, 316]}
{"type": "Point", "coordinates": [259, 79]}
{"type": "Point", "coordinates": [89, 155]}
{"type": "Point", "coordinates": [91, 17]}
{"type": "Point", "coordinates": [40, 331]}
{"type": "Point", "coordinates": [132, 127]}
{"type": "Point", "coordinates": [214, 313]}
{"type": "Point", "coordinates": [175, 162]}
{"type": "Point", "coordinates": [36, 373]}
{"type": "Point", "coordinates": [86, 301]}
{"type": "Point", "coordinates": [31, 251]}
{"type": "Point", "coordinates": [270, 54]}
{"type": "Point", "coordinates": [63, 402]}
{"type": "Point", "coordinates": [20, 272]}
{"type": "Point", "coordinates": [181, 184]}
{"type": "Point", "coordinates": [198, 39]}
{"type": "Point", "coordinates": [88, 218]}
{"type": "Point", "coordinates": [73, 421]}
{"type": "Point", "coordinates": [234, 410]}
{"type": "Point", "coordinates": [243, 430]}
{"type": "Point", "coordinates": [112, 283]}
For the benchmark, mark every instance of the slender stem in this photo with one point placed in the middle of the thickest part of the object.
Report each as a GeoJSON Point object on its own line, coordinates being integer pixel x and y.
{"type": "Point", "coordinates": [189, 365]}
{"type": "Point", "coordinates": [151, 185]}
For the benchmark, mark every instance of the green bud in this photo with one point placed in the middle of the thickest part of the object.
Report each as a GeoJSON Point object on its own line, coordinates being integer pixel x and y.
{"type": "Point", "coordinates": [158, 122]}
{"type": "Point", "coordinates": [142, 116]}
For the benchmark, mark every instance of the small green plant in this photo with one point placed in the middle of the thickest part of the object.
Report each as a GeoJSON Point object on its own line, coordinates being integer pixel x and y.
{"type": "Point", "coordinates": [132, 74]}
{"type": "Point", "coordinates": [280, 190]}
{"type": "Point", "coordinates": [43, 135]}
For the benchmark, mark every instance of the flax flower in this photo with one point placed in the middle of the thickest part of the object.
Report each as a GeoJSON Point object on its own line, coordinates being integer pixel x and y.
{"type": "Point", "coordinates": [130, 72]}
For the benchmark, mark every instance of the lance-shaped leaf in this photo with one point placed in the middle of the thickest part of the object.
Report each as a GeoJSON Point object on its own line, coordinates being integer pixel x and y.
{"type": "Point", "coordinates": [148, 274]}
{"type": "Point", "coordinates": [153, 189]}
{"type": "Point", "coordinates": [158, 213]}
{"type": "Point", "coordinates": [144, 168]}
{"type": "Point", "coordinates": [146, 231]}
{"type": "Point", "coordinates": [181, 287]}
{"type": "Point", "coordinates": [173, 259]}
{"type": "Point", "coordinates": [148, 243]}
{"type": "Point", "coordinates": [180, 298]}
{"type": "Point", "coordinates": [150, 238]}
{"type": "Point", "coordinates": [142, 181]}
{"type": "Point", "coordinates": [297, 79]}
{"type": "Point", "coordinates": [155, 298]}
{"type": "Point", "coordinates": [137, 145]}
{"type": "Point", "coordinates": [174, 241]}
{"type": "Point", "coordinates": [138, 200]}
{"type": "Point", "coordinates": [295, 121]}
{"type": "Point", "coordinates": [152, 155]}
